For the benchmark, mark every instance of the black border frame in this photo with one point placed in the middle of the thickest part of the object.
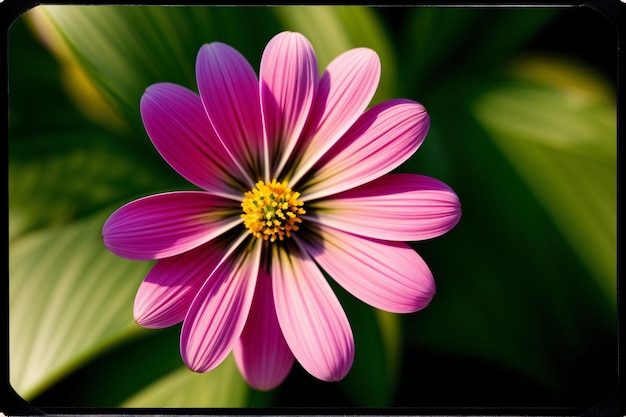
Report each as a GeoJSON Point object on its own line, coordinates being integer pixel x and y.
{"type": "Point", "coordinates": [613, 404]}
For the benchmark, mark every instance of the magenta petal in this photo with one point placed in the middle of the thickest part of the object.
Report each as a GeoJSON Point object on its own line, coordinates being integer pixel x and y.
{"type": "Point", "coordinates": [229, 90]}
{"type": "Point", "coordinates": [344, 92]}
{"type": "Point", "coordinates": [166, 293]}
{"type": "Point", "coordinates": [384, 137]}
{"type": "Point", "coordinates": [180, 130]}
{"type": "Point", "coordinates": [393, 207]}
{"type": "Point", "coordinates": [390, 276]}
{"type": "Point", "coordinates": [218, 314]}
{"type": "Point", "coordinates": [163, 225]}
{"type": "Point", "coordinates": [262, 354]}
{"type": "Point", "coordinates": [314, 324]}
{"type": "Point", "coordinates": [288, 76]}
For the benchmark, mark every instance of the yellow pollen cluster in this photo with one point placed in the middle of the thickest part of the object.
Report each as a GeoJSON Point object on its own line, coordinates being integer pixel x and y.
{"type": "Point", "coordinates": [271, 210]}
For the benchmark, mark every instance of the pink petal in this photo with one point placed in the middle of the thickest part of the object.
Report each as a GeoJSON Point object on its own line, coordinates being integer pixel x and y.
{"type": "Point", "coordinates": [393, 207]}
{"type": "Point", "coordinates": [166, 293]}
{"type": "Point", "coordinates": [218, 314]}
{"type": "Point", "coordinates": [310, 316]}
{"type": "Point", "coordinates": [344, 92]}
{"type": "Point", "coordinates": [389, 276]}
{"type": "Point", "coordinates": [180, 130]}
{"type": "Point", "coordinates": [288, 76]}
{"type": "Point", "coordinates": [262, 354]}
{"type": "Point", "coordinates": [382, 139]}
{"type": "Point", "coordinates": [229, 90]}
{"type": "Point", "coordinates": [163, 225]}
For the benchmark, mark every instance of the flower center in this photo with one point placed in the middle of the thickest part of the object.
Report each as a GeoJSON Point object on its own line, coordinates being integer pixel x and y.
{"type": "Point", "coordinates": [270, 211]}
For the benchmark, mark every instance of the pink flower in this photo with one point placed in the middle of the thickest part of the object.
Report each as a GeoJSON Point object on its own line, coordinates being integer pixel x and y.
{"type": "Point", "coordinates": [294, 178]}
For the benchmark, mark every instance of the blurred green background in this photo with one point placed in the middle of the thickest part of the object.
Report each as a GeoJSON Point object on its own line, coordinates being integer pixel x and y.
{"type": "Point", "coordinates": [523, 127]}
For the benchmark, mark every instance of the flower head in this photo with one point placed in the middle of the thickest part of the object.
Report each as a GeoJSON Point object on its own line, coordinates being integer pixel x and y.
{"type": "Point", "coordinates": [294, 179]}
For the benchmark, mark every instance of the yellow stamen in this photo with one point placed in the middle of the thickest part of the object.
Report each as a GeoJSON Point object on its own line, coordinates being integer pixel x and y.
{"type": "Point", "coordinates": [270, 211]}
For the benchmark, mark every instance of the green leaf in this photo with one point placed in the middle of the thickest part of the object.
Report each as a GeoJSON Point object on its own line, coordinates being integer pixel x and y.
{"type": "Point", "coordinates": [512, 289]}
{"type": "Point", "coordinates": [442, 42]}
{"type": "Point", "coordinates": [129, 373]}
{"type": "Point", "coordinates": [70, 299]}
{"type": "Point", "coordinates": [221, 387]}
{"type": "Point", "coordinates": [57, 178]}
{"type": "Point", "coordinates": [65, 177]}
{"type": "Point", "coordinates": [563, 142]}
{"type": "Point", "coordinates": [33, 71]}
{"type": "Point", "coordinates": [333, 30]}
{"type": "Point", "coordinates": [124, 49]}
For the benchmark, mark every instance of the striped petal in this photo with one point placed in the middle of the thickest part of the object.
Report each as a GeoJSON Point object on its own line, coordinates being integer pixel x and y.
{"type": "Point", "coordinates": [166, 293]}
{"type": "Point", "coordinates": [288, 76]}
{"type": "Point", "coordinates": [314, 324]}
{"type": "Point", "coordinates": [163, 225]}
{"type": "Point", "coordinates": [180, 130]}
{"type": "Point", "coordinates": [344, 92]}
{"type": "Point", "coordinates": [389, 276]}
{"type": "Point", "coordinates": [218, 314]}
{"type": "Point", "coordinates": [383, 138]}
{"type": "Point", "coordinates": [394, 207]}
{"type": "Point", "coordinates": [229, 90]}
{"type": "Point", "coordinates": [261, 353]}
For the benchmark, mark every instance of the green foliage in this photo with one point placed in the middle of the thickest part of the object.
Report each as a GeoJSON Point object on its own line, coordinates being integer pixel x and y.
{"type": "Point", "coordinates": [463, 42]}
{"type": "Point", "coordinates": [528, 278]}
{"type": "Point", "coordinates": [69, 300]}
{"type": "Point", "coordinates": [222, 387]}
{"type": "Point", "coordinates": [571, 138]}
